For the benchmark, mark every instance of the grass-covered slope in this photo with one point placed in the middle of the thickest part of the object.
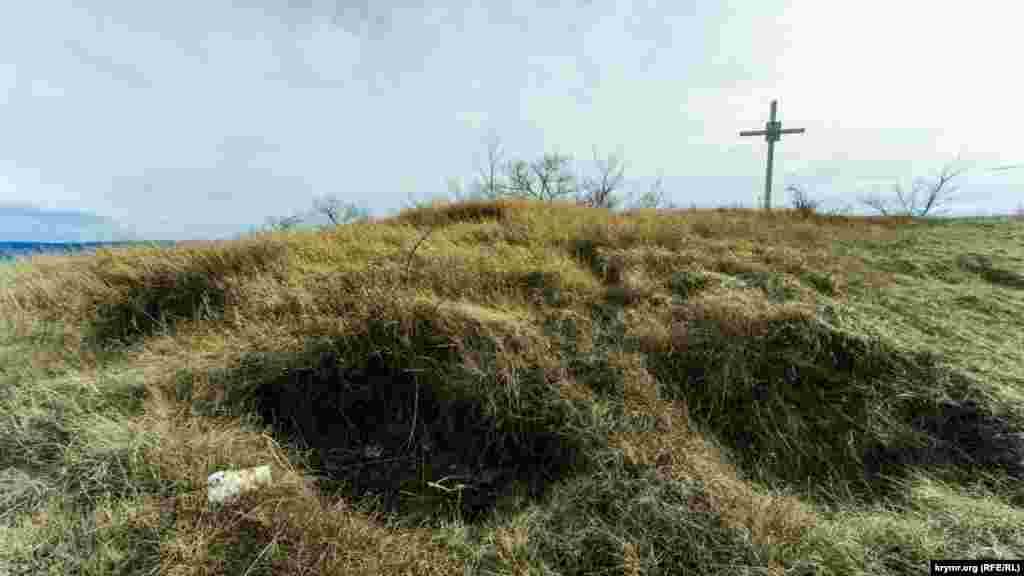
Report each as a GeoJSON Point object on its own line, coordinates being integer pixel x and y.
{"type": "Point", "coordinates": [522, 388]}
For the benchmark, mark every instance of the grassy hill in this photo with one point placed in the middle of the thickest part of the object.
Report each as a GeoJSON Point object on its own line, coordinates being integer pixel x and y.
{"type": "Point", "coordinates": [522, 388]}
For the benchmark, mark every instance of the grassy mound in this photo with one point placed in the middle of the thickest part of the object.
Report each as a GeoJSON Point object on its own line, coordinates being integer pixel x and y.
{"type": "Point", "coordinates": [513, 387]}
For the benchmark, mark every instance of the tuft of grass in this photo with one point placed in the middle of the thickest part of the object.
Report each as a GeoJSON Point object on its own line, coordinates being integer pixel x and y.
{"type": "Point", "coordinates": [514, 387]}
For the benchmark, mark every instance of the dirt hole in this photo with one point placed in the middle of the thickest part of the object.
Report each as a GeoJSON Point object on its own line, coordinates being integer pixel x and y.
{"type": "Point", "coordinates": [408, 446]}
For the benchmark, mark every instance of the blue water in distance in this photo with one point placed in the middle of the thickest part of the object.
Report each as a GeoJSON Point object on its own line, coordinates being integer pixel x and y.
{"type": "Point", "coordinates": [12, 250]}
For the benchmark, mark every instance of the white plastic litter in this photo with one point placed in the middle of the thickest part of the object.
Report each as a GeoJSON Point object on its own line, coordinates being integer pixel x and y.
{"type": "Point", "coordinates": [226, 485]}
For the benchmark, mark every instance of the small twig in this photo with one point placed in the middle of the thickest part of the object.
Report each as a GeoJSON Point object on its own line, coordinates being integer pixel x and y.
{"type": "Point", "coordinates": [260, 555]}
{"type": "Point", "coordinates": [457, 488]}
{"type": "Point", "coordinates": [415, 411]}
{"type": "Point", "coordinates": [408, 262]}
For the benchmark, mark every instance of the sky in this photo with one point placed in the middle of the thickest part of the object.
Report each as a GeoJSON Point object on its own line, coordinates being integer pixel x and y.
{"type": "Point", "coordinates": [199, 119]}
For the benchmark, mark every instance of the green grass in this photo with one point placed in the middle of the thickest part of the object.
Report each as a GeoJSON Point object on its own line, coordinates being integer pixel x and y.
{"type": "Point", "coordinates": [521, 388]}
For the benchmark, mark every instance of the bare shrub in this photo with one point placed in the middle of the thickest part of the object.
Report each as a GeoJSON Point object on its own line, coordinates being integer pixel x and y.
{"type": "Point", "coordinates": [924, 197]}
{"type": "Point", "coordinates": [599, 191]}
{"type": "Point", "coordinates": [285, 223]}
{"type": "Point", "coordinates": [338, 212]}
{"type": "Point", "coordinates": [802, 201]}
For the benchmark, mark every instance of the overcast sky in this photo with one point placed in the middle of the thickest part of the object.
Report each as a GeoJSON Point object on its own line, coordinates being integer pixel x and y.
{"type": "Point", "coordinates": [200, 118]}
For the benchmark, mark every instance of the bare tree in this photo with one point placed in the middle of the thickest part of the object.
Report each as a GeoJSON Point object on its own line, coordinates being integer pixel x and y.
{"type": "Point", "coordinates": [935, 195]}
{"type": "Point", "coordinates": [549, 178]}
{"type": "Point", "coordinates": [545, 179]}
{"type": "Point", "coordinates": [285, 223]}
{"type": "Point", "coordinates": [876, 202]}
{"type": "Point", "coordinates": [553, 179]}
{"type": "Point", "coordinates": [802, 201]}
{"type": "Point", "coordinates": [598, 191]}
{"type": "Point", "coordinates": [654, 197]}
{"type": "Point", "coordinates": [329, 206]}
{"type": "Point", "coordinates": [338, 212]}
{"type": "Point", "coordinates": [520, 182]}
{"type": "Point", "coordinates": [489, 184]}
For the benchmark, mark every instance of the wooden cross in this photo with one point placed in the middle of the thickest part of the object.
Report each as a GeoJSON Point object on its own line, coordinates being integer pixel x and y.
{"type": "Point", "coordinates": [772, 132]}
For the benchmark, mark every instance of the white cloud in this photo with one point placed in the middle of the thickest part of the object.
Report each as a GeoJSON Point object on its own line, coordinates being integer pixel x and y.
{"type": "Point", "coordinates": [372, 101]}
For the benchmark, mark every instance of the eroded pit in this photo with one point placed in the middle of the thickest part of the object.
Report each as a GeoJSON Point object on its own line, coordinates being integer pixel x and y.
{"type": "Point", "coordinates": [815, 403]}
{"type": "Point", "coordinates": [411, 444]}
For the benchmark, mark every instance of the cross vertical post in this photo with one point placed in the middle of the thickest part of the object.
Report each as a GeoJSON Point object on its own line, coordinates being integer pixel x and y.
{"type": "Point", "coordinates": [772, 133]}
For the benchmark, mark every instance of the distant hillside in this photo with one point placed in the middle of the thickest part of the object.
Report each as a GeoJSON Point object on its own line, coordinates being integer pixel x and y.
{"type": "Point", "coordinates": [25, 223]}
{"type": "Point", "coordinates": [10, 250]}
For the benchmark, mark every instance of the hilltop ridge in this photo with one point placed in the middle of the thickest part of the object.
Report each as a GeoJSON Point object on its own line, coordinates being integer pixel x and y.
{"type": "Point", "coordinates": [523, 387]}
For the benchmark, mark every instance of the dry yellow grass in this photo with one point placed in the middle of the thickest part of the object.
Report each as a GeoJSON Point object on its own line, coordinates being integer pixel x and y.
{"type": "Point", "coordinates": [649, 392]}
